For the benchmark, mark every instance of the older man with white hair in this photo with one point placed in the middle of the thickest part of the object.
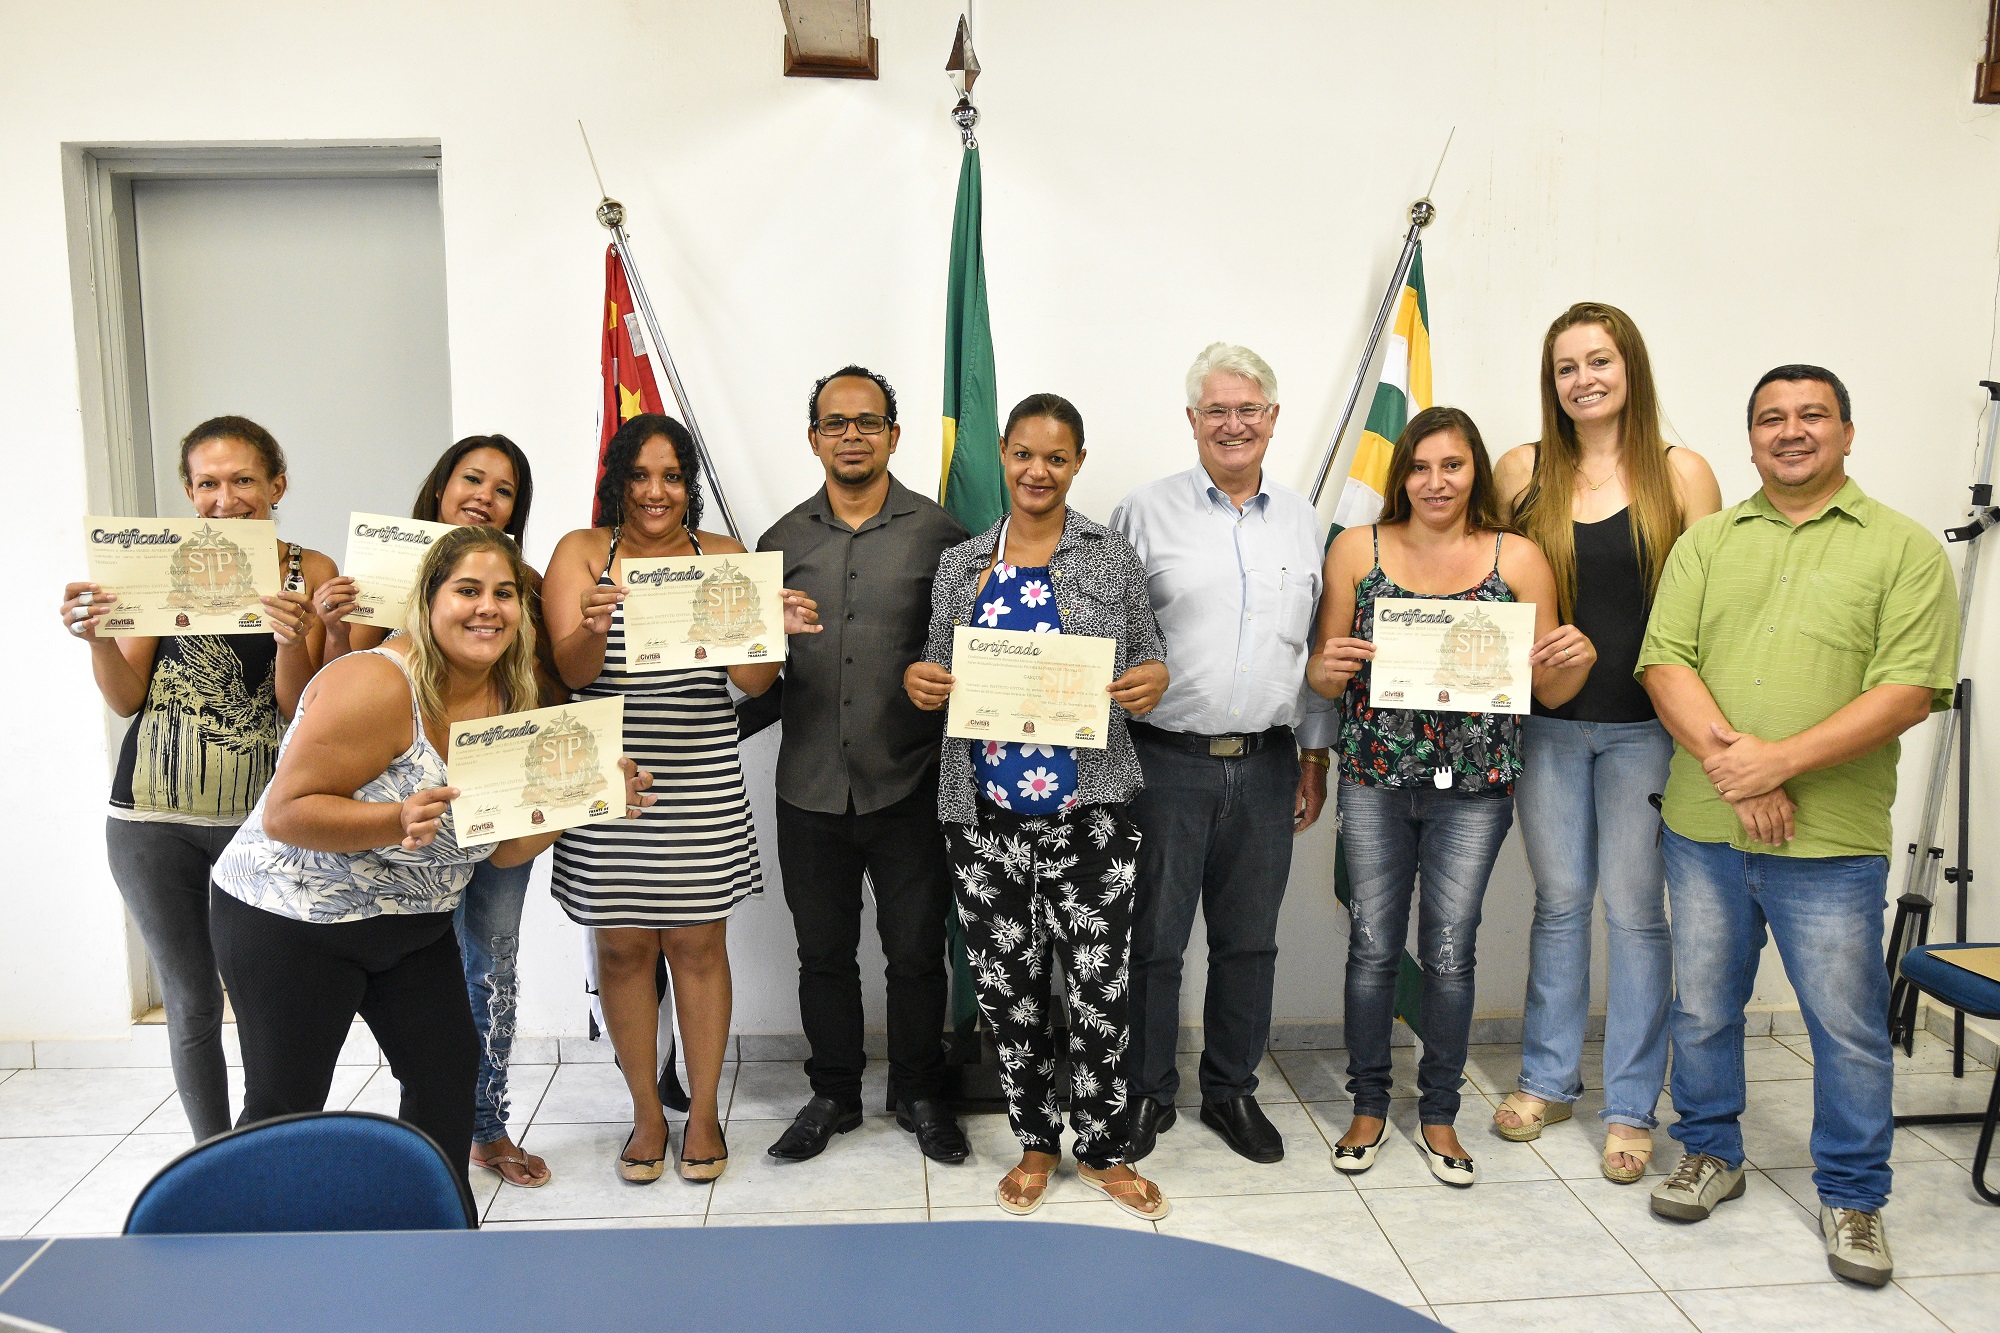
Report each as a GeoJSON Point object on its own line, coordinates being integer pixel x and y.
{"type": "Point", "coordinates": [1235, 755]}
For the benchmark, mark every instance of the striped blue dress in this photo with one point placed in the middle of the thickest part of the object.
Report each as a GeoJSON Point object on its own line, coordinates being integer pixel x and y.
{"type": "Point", "coordinates": [692, 855]}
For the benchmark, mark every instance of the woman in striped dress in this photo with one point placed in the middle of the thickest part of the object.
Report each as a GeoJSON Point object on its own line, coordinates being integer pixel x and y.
{"type": "Point", "coordinates": [668, 883]}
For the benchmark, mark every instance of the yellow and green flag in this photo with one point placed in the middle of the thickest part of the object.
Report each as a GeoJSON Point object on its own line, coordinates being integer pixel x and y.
{"type": "Point", "coordinates": [1403, 391]}
{"type": "Point", "coordinates": [969, 483]}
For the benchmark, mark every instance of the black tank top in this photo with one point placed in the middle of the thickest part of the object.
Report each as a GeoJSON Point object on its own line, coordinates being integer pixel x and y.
{"type": "Point", "coordinates": [1611, 607]}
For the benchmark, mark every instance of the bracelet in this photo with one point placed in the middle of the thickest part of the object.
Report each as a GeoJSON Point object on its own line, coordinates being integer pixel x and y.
{"type": "Point", "coordinates": [1316, 757]}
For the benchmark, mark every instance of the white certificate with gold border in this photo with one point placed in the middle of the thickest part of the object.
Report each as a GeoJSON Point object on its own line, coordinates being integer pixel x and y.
{"type": "Point", "coordinates": [704, 610]}
{"type": "Point", "coordinates": [183, 575]}
{"type": "Point", "coordinates": [383, 557]}
{"type": "Point", "coordinates": [538, 771]}
{"type": "Point", "coordinates": [1017, 685]}
{"type": "Point", "coordinates": [1446, 655]}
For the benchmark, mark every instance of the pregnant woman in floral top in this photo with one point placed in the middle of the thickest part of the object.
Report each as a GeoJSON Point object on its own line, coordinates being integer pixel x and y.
{"type": "Point", "coordinates": [1422, 788]}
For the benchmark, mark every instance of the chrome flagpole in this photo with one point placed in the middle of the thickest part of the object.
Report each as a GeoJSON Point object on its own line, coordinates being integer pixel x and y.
{"type": "Point", "coordinates": [1422, 213]}
{"type": "Point", "coordinates": [611, 215]}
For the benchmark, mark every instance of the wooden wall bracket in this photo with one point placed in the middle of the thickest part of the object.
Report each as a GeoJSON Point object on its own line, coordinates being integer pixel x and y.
{"type": "Point", "coordinates": [1986, 80]}
{"type": "Point", "coordinates": [829, 39]}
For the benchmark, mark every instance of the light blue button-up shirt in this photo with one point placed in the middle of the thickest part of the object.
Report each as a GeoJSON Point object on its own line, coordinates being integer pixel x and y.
{"type": "Point", "coordinates": [1236, 594]}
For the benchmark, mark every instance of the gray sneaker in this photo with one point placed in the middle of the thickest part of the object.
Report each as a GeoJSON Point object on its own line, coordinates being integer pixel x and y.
{"type": "Point", "coordinates": [1698, 1184]}
{"type": "Point", "coordinates": [1857, 1245]}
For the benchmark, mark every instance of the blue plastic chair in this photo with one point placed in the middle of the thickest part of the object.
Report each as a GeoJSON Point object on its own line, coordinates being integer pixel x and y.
{"type": "Point", "coordinates": [1926, 968]}
{"type": "Point", "coordinates": [320, 1171]}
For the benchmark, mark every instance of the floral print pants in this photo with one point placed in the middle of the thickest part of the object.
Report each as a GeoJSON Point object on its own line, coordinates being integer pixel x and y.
{"type": "Point", "coordinates": [1032, 891]}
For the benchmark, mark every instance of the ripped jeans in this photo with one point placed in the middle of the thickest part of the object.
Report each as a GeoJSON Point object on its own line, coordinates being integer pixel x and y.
{"type": "Point", "coordinates": [1392, 837]}
{"type": "Point", "coordinates": [488, 922]}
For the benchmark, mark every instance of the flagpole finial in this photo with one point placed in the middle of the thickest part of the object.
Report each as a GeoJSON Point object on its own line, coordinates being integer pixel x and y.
{"type": "Point", "coordinates": [963, 68]}
{"type": "Point", "coordinates": [610, 214]}
{"type": "Point", "coordinates": [1422, 214]}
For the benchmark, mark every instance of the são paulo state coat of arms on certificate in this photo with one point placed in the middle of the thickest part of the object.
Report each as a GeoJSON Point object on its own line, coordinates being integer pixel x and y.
{"type": "Point", "coordinates": [211, 575]}
{"type": "Point", "coordinates": [563, 765]}
{"type": "Point", "coordinates": [727, 608]}
{"type": "Point", "coordinates": [1472, 654]}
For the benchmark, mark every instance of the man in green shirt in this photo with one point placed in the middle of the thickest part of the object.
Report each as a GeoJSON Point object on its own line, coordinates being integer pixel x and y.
{"type": "Point", "coordinates": [1793, 638]}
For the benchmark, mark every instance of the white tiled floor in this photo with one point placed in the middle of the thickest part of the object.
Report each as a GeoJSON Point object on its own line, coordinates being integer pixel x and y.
{"type": "Point", "coordinates": [1542, 1240]}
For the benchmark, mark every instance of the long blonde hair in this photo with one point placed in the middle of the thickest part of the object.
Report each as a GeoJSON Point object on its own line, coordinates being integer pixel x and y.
{"type": "Point", "coordinates": [514, 673]}
{"type": "Point", "coordinates": [1543, 511]}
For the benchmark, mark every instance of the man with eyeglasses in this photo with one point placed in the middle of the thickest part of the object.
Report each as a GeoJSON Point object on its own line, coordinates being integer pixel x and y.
{"type": "Point", "coordinates": [857, 771]}
{"type": "Point", "coordinates": [1235, 755]}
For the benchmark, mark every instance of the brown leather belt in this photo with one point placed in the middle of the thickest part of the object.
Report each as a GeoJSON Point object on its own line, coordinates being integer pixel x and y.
{"type": "Point", "coordinates": [1220, 747]}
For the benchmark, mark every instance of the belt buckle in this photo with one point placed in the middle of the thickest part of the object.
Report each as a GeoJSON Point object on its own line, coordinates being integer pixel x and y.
{"type": "Point", "coordinates": [1225, 747]}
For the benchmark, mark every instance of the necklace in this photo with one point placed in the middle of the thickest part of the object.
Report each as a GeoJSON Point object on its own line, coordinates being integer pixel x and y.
{"type": "Point", "coordinates": [1596, 485]}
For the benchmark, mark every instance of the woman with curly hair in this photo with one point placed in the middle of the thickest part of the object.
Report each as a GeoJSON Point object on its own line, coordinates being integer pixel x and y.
{"type": "Point", "coordinates": [667, 884]}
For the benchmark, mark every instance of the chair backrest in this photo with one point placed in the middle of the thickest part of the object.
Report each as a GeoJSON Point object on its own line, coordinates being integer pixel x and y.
{"type": "Point", "coordinates": [321, 1171]}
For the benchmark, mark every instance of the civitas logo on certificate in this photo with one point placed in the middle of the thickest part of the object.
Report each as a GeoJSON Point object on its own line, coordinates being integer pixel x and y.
{"type": "Point", "coordinates": [1472, 655]}
{"type": "Point", "coordinates": [562, 766]}
{"type": "Point", "coordinates": [211, 575]}
{"type": "Point", "coordinates": [727, 609]}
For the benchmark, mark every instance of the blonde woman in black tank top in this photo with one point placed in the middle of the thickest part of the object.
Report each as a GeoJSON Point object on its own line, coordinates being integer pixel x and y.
{"type": "Point", "coordinates": [207, 711]}
{"type": "Point", "coordinates": [1605, 496]}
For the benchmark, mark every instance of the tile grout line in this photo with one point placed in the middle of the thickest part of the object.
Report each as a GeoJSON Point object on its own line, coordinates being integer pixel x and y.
{"type": "Point", "coordinates": [1623, 1249]}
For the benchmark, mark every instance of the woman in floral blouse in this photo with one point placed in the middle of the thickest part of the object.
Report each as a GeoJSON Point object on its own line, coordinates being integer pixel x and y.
{"type": "Point", "coordinates": [1421, 787]}
{"type": "Point", "coordinates": [1038, 834]}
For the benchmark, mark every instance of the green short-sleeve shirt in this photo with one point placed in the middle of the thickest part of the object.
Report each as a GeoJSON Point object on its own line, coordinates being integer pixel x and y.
{"type": "Point", "coordinates": [1787, 625]}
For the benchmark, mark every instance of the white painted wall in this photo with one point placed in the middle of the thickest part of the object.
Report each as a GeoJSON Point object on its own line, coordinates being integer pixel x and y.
{"type": "Point", "coordinates": [1791, 180]}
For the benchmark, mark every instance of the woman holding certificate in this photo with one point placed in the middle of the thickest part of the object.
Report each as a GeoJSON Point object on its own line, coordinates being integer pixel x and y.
{"type": "Point", "coordinates": [1037, 833]}
{"type": "Point", "coordinates": [1429, 787]}
{"type": "Point", "coordinates": [481, 481]}
{"type": "Point", "coordinates": [1605, 497]}
{"type": "Point", "coordinates": [668, 883]}
{"type": "Point", "coordinates": [202, 746]}
{"type": "Point", "coordinates": [336, 896]}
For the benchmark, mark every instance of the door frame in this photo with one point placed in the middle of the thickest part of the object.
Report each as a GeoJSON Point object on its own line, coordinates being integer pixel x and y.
{"type": "Point", "coordinates": [110, 347]}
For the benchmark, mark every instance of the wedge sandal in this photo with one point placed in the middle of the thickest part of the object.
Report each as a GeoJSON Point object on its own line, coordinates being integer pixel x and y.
{"type": "Point", "coordinates": [1533, 1120]}
{"type": "Point", "coordinates": [1615, 1147]}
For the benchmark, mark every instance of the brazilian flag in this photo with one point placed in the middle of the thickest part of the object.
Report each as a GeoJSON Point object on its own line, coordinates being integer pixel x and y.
{"type": "Point", "coordinates": [970, 486]}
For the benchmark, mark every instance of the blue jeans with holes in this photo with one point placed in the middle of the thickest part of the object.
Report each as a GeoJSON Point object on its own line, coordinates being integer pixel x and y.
{"type": "Point", "coordinates": [488, 923]}
{"type": "Point", "coordinates": [1589, 829]}
{"type": "Point", "coordinates": [1826, 915]}
{"type": "Point", "coordinates": [1394, 839]}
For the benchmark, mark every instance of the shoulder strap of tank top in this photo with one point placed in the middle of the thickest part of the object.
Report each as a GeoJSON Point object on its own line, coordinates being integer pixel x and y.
{"type": "Point", "coordinates": [695, 542]}
{"type": "Point", "coordinates": [295, 579]}
{"type": "Point", "coordinates": [1498, 537]}
{"type": "Point", "coordinates": [611, 558]}
{"type": "Point", "coordinates": [1375, 534]}
{"type": "Point", "coordinates": [416, 713]}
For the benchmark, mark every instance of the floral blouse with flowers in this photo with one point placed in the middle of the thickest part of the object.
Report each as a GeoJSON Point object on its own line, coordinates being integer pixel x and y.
{"type": "Point", "coordinates": [1025, 778]}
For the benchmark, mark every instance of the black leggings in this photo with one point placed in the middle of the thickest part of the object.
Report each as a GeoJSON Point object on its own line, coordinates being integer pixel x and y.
{"type": "Point", "coordinates": [297, 985]}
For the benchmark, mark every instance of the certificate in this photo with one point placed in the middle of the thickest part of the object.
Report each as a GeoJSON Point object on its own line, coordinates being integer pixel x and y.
{"type": "Point", "coordinates": [183, 575]}
{"type": "Point", "coordinates": [1017, 685]}
{"type": "Point", "coordinates": [1452, 656]}
{"type": "Point", "coordinates": [704, 610]}
{"type": "Point", "coordinates": [383, 557]}
{"type": "Point", "coordinates": [538, 771]}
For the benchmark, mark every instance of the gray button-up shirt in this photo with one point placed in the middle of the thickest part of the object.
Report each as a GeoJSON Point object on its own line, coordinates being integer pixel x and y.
{"type": "Point", "coordinates": [851, 733]}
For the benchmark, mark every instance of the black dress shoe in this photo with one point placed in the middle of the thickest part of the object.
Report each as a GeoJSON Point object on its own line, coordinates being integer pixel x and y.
{"type": "Point", "coordinates": [1149, 1121]}
{"type": "Point", "coordinates": [816, 1123]}
{"type": "Point", "coordinates": [938, 1135]}
{"type": "Point", "coordinates": [1243, 1126]}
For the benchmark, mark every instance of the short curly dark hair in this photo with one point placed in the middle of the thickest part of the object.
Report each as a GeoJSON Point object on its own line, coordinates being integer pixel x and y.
{"type": "Point", "coordinates": [622, 454]}
{"type": "Point", "coordinates": [851, 372]}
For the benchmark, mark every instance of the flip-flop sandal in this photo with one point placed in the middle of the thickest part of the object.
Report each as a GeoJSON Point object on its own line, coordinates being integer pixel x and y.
{"type": "Point", "coordinates": [1615, 1146]}
{"type": "Point", "coordinates": [1130, 1195]}
{"type": "Point", "coordinates": [1533, 1121]}
{"type": "Point", "coordinates": [494, 1164]}
{"type": "Point", "coordinates": [1032, 1185]}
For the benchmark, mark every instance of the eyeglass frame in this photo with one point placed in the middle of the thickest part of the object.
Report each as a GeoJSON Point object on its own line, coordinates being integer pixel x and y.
{"type": "Point", "coordinates": [820, 426]}
{"type": "Point", "coordinates": [1220, 416]}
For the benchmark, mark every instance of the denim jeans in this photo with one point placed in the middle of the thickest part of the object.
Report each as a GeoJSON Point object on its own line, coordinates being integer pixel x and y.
{"type": "Point", "coordinates": [1826, 915]}
{"type": "Point", "coordinates": [1217, 835]}
{"type": "Point", "coordinates": [1589, 829]}
{"type": "Point", "coordinates": [488, 922]}
{"type": "Point", "coordinates": [1393, 838]}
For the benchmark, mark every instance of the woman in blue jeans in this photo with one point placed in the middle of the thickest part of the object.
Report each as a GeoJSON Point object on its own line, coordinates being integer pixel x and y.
{"type": "Point", "coordinates": [481, 481]}
{"type": "Point", "coordinates": [1604, 497]}
{"type": "Point", "coordinates": [1425, 794]}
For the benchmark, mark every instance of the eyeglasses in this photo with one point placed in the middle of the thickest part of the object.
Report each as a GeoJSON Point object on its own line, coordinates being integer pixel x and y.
{"type": "Point", "coordinates": [1249, 414]}
{"type": "Point", "coordinates": [868, 423]}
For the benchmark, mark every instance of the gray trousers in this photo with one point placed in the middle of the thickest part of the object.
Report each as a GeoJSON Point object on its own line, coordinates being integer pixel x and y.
{"type": "Point", "coordinates": [162, 872]}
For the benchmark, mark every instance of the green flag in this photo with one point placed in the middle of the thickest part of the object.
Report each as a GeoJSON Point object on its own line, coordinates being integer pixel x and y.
{"type": "Point", "coordinates": [970, 486]}
{"type": "Point", "coordinates": [969, 481]}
